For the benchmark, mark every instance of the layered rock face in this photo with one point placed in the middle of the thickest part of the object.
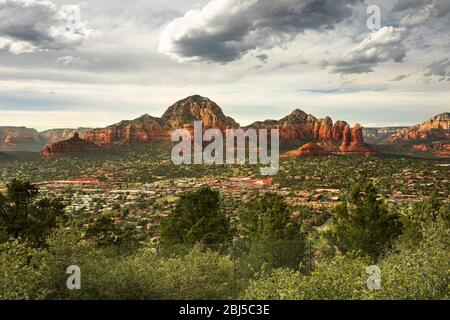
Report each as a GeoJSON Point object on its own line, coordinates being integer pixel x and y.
{"type": "Point", "coordinates": [353, 142]}
{"type": "Point", "coordinates": [299, 127]}
{"type": "Point", "coordinates": [151, 129]}
{"type": "Point", "coordinates": [435, 128]}
{"type": "Point", "coordinates": [25, 139]}
{"type": "Point", "coordinates": [197, 108]}
{"type": "Point", "coordinates": [19, 139]}
{"type": "Point", "coordinates": [55, 135]}
{"type": "Point", "coordinates": [308, 149]}
{"type": "Point", "coordinates": [439, 149]}
{"type": "Point", "coordinates": [142, 129]}
{"type": "Point", "coordinates": [380, 135]}
{"type": "Point", "coordinates": [72, 146]}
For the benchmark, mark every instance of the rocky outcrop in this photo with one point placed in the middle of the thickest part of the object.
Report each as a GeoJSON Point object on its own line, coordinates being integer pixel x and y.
{"type": "Point", "coordinates": [55, 135]}
{"type": "Point", "coordinates": [143, 129]}
{"type": "Point", "coordinates": [300, 128]}
{"type": "Point", "coordinates": [197, 108]}
{"type": "Point", "coordinates": [380, 135]}
{"type": "Point", "coordinates": [308, 149]}
{"type": "Point", "coordinates": [72, 146]}
{"type": "Point", "coordinates": [435, 128]}
{"type": "Point", "coordinates": [146, 128]}
{"type": "Point", "coordinates": [438, 149]}
{"type": "Point", "coordinates": [353, 142]}
{"type": "Point", "coordinates": [297, 129]}
{"type": "Point", "coordinates": [19, 139]}
{"type": "Point", "coordinates": [26, 139]}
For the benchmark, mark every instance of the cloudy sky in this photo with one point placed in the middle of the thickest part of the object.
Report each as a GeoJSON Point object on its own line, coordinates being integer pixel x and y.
{"type": "Point", "coordinates": [65, 63]}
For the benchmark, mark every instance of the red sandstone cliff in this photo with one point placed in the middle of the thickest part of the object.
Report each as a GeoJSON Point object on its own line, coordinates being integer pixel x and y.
{"type": "Point", "coordinates": [353, 142]}
{"type": "Point", "coordinates": [151, 129]}
{"type": "Point", "coordinates": [142, 129]}
{"type": "Point", "coordinates": [72, 146]}
{"type": "Point", "coordinates": [295, 129]}
{"type": "Point", "coordinates": [435, 128]}
{"type": "Point", "coordinates": [308, 149]}
{"type": "Point", "coordinates": [439, 149]}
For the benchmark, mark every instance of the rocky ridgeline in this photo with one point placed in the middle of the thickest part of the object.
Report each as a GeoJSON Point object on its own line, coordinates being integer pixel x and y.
{"type": "Point", "coordinates": [26, 139]}
{"type": "Point", "coordinates": [435, 128]}
{"type": "Point", "coordinates": [296, 129]}
{"type": "Point", "coordinates": [72, 146]}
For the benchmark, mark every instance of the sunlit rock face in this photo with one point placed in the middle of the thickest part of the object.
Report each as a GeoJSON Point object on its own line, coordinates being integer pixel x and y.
{"type": "Point", "coordinates": [72, 146]}
{"type": "Point", "coordinates": [353, 142]}
{"type": "Point", "coordinates": [295, 129]}
{"type": "Point", "coordinates": [437, 127]}
{"type": "Point", "coordinates": [151, 129]}
{"type": "Point", "coordinates": [308, 149]}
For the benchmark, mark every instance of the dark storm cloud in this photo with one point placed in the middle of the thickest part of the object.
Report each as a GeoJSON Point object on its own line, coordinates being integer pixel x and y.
{"type": "Point", "coordinates": [32, 25]}
{"type": "Point", "coordinates": [225, 30]}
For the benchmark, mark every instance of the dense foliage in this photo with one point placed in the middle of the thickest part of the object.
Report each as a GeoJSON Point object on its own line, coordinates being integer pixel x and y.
{"type": "Point", "coordinates": [196, 218]}
{"type": "Point", "coordinates": [364, 224]}
{"type": "Point", "coordinates": [263, 262]}
{"type": "Point", "coordinates": [22, 215]}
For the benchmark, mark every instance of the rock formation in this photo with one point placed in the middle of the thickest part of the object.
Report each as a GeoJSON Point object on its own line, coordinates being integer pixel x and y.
{"type": "Point", "coordinates": [438, 149]}
{"type": "Point", "coordinates": [300, 128]}
{"type": "Point", "coordinates": [308, 149]}
{"type": "Point", "coordinates": [143, 129]}
{"type": "Point", "coordinates": [296, 129]}
{"type": "Point", "coordinates": [26, 139]}
{"type": "Point", "coordinates": [197, 108]}
{"type": "Point", "coordinates": [353, 142]}
{"type": "Point", "coordinates": [380, 135]}
{"type": "Point", "coordinates": [435, 128]}
{"type": "Point", "coordinates": [151, 129]}
{"type": "Point", "coordinates": [55, 135]}
{"type": "Point", "coordinates": [72, 146]}
{"type": "Point", "coordinates": [19, 139]}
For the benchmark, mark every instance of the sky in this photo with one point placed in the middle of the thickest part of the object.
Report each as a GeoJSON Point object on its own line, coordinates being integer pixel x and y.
{"type": "Point", "coordinates": [68, 64]}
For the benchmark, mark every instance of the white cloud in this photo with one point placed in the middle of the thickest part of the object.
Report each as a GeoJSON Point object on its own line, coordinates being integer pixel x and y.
{"type": "Point", "coordinates": [380, 46]}
{"type": "Point", "coordinates": [70, 61]}
{"type": "Point", "coordinates": [40, 25]}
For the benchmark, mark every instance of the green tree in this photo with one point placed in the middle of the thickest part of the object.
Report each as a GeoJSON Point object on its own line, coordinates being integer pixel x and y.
{"type": "Point", "coordinates": [196, 218]}
{"type": "Point", "coordinates": [23, 215]}
{"type": "Point", "coordinates": [417, 219]}
{"type": "Point", "coordinates": [275, 237]}
{"type": "Point", "coordinates": [364, 224]}
{"type": "Point", "coordinates": [105, 232]}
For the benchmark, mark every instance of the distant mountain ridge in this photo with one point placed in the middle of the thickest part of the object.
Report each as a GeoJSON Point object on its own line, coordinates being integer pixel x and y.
{"type": "Point", "coordinates": [437, 127]}
{"type": "Point", "coordinates": [72, 146]}
{"type": "Point", "coordinates": [27, 139]}
{"type": "Point", "coordinates": [295, 129]}
{"type": "Point", "coordinates": [380, 135]}
{"type": "Point", "coordinates": [146, 128]}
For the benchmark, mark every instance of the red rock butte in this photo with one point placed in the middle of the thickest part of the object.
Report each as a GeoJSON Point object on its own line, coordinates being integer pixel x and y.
{"type": "Point", "coordinates": [308, 149]}
{"type": "Point", "coordinates": [72, 146]}
{"type": "Point", "coordinates": [295, 130]}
